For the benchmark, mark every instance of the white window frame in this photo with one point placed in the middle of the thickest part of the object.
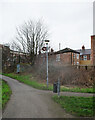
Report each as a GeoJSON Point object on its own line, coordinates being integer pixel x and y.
{"type": "Point", "coordinates": [85, 57]}
{"type": "Point", "coordinates": [77, 56]}
{"type": "Point", "coordinates": [74, 55]}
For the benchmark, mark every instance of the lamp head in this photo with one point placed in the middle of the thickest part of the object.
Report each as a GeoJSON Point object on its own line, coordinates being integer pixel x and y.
{"type": "Point", "coordinates": [46, 41]}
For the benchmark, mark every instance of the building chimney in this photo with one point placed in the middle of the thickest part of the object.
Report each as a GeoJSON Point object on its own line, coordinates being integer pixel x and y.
{"type": "Point", "coordinates": [93, 50]}
{"type": "Point", "coordinates": [59, 46]}
{"type": "Point", "coordinates": [83, 47]}
{"type": "Point", "coordinates": [52, 50]}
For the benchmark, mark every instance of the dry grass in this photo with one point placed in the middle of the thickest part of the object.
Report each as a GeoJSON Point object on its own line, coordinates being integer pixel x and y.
{"type": "Point", "coordinates": [69, 76]}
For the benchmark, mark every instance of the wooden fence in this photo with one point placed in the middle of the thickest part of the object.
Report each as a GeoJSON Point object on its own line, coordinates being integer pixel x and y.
{"type": "Point", "coordinates": [86, 67]}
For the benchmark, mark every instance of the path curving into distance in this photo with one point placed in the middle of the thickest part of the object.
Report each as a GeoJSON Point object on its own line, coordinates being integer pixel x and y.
{"type": "Point", "coordinates": [27, 102]}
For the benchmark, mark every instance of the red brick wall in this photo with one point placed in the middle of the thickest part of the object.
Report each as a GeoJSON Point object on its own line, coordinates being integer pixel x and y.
{"type": "Point", "coordinates": [93, 50]}
{"type": "Point", "coordinates": [65, 59]}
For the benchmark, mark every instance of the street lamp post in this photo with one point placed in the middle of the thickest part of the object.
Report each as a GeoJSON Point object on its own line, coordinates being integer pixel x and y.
{"type": "Point", "coordinates": [47, 58]}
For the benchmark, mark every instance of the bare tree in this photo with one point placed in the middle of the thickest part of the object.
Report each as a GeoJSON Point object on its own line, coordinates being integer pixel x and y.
{"type": "Point", "coordinates": [30, 38]}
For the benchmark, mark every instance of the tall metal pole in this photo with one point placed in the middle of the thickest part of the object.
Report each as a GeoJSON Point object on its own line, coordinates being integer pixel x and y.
{"type": "Point", "coordinates": [47, 62]}
{"type": "Point", "coordinates": [58, 84]}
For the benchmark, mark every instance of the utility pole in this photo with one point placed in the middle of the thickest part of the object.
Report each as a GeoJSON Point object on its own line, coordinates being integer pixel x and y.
{"type": "Point", "coordinates": [47, 58]}
{"type": "Point", "coordinates": [47, 62]}
{"type": "Point", "coordinates": [58, 83]}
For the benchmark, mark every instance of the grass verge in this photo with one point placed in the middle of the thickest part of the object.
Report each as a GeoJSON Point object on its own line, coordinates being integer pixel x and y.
{"type": "Point", "coordinates": [27, 80]}
{"type": "Point", "coordinates": [77, 89]}
{"type": "Point", "coordinates": [0, 94]}
{"type": "Point", "coordinates": [6, 92]}
{"type": "Point", "coordinates": [79, 106]}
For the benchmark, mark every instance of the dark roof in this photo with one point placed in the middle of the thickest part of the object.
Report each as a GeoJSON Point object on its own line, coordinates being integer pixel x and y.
{"type": "Point", "coordinates": [84, 52]}
{"type": "Point", "coordinates": [66, 50]}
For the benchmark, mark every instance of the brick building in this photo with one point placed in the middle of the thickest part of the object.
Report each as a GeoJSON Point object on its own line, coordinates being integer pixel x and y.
{"type": "Point", "coordinates": [85, 56]}
{"type": "Point", "coordinates": [93, 50]}
{"type": "Point", "coordinates": [18, 57]}
{"type": "Point", "coordinates": [65, 56]}
{"type": "Point", "coordinates": [68, 56]}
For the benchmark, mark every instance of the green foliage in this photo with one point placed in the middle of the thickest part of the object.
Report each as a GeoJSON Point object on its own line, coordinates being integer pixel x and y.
{"type": "Point", "coordinates": [0, 94]}
{"type": "Point", "coordinates": [27, 80]}
{"type": "Point", "coordinates": [77, 89]}
{"type": "Point", "coordinates": [6, 92]}
{"type": "Point", "coordinates": [79, 106]}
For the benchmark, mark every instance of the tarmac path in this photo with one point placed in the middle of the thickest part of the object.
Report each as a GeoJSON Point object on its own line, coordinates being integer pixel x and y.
{"type": "Point", "coordinates": [28, 102]}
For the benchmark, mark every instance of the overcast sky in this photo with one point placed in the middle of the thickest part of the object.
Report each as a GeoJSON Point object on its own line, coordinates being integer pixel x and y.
{"type": "Point", "coordinates": [69, 23]}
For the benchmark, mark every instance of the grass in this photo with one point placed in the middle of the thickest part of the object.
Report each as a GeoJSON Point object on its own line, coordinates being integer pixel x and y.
{"type": "Point", "coordinates": [77, 89]}
{"type": "Point", "coordinates": [0, 94]}
{"type": "Point", "coordinates": [78, 106]}
{"type": "Point", "coordinates": [5, 94]}
{"type": "Point", "coordinates": [27, 80]}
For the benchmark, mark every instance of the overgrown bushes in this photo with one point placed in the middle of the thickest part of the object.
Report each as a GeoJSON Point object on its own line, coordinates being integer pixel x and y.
{"type": "Point", "coordinates": [69, 75]}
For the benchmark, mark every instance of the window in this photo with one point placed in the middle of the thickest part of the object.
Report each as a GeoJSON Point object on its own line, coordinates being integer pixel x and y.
{"type": "Point", "coordinates": [74, 55]}
{"type": "Point", "coordinates": [77, 56]}
{"type": "Point", "coordinates": [84, 57]}
{"type": "Point", "coordinates": [58, 57]}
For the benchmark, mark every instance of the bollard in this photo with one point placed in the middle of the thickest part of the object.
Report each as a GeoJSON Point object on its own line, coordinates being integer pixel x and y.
{"type": "Point", "coordinates": [55, 87]}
